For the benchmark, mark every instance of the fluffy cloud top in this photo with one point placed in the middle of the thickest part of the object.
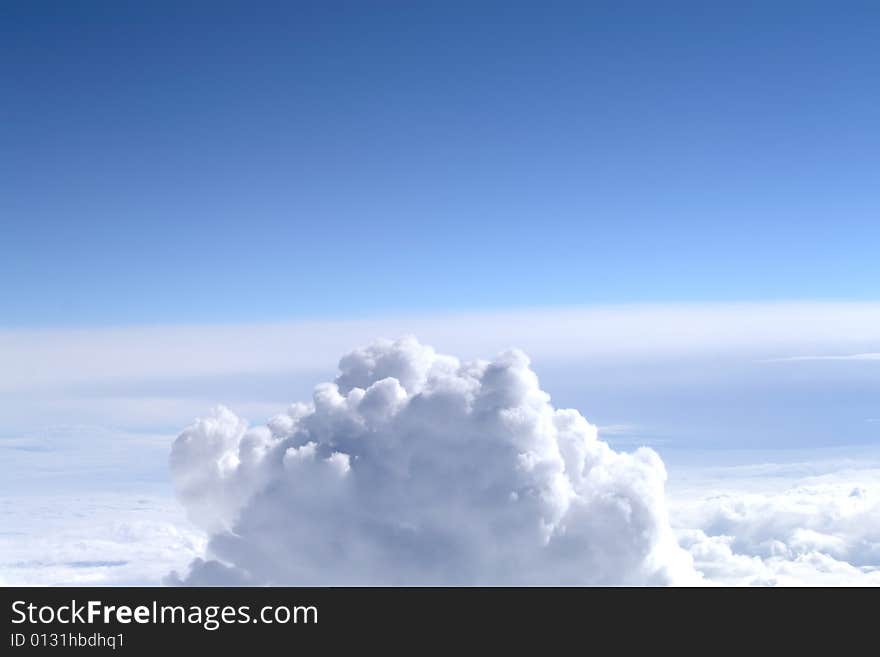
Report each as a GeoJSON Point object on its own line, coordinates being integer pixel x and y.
{"type": "Point", "coordinates": [415, 468]}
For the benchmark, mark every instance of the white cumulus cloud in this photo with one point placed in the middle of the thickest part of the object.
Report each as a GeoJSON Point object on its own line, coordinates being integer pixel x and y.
{"type": "Point", "coordinates": [413, 467]}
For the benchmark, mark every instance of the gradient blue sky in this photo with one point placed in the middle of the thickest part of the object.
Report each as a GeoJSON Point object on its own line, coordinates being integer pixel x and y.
{"type": "Point", "coordinates": [262, 161]}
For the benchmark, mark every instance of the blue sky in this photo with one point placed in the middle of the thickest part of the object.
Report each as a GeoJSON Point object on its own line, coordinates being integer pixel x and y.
{"type": "Point", "coordinates": [233, 162]}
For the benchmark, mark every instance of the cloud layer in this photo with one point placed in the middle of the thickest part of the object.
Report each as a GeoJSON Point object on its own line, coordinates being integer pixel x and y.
{"type": "Point", "coordinates": [58, 359]}
{"type": "Point", "coordinates": [416, 468]}
{"type": "Point", "coordinates": [817, 530]}
{"type": "Point", "coordinates": [103, 539]}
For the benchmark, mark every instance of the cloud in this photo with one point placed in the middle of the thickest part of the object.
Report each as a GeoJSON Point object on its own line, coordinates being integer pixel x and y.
{"type": "Point", "coordinates": [59, 358]}
{"type": "Point", "coordinates": [413, 467]}
{"type": "Point", "coordinates": [820, 530]}
{"type": "Point", "coordinates": [92, 539]}
{"type": "Point", "coordinates": [865, 356]}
